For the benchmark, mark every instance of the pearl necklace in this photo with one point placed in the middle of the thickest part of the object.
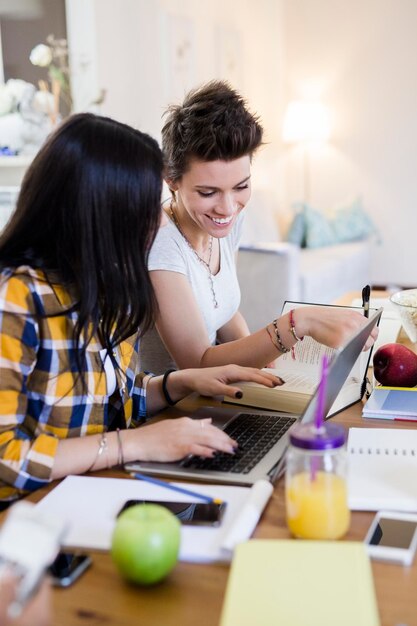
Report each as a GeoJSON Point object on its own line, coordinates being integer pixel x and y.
{"type": "Point", "coordinates": [201, 260]}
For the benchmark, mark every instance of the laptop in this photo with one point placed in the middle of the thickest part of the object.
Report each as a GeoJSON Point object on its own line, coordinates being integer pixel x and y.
{"type": "Point", "coordinates": [263, 436]}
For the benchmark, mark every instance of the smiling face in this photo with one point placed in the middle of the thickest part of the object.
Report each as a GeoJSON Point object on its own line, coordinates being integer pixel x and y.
{"type": "Point", "coordinates": [211, 194]}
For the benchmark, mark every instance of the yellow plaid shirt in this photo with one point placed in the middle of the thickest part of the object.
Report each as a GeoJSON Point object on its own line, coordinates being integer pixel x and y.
{"type": "Point", "coordinates": [42, 399]}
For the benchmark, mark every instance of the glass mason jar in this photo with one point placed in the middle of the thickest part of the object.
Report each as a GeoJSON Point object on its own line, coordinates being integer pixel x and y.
{"type": "Point", "coordinates": [315, 482]}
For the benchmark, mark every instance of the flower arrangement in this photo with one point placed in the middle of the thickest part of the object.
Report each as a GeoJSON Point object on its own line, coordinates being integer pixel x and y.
{"type": "Point", "coordinates": [28, 114]}
{"type": "Point", "coordinates": [25, 119]}
{"type": "Point", "coordinates": [54, 56]}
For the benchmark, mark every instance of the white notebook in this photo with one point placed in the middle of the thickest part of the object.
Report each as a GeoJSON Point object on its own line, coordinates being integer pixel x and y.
{"type": "Point", "coordinates": [382, 470]}
{"type": "Point", "coordinates": [89, 506]}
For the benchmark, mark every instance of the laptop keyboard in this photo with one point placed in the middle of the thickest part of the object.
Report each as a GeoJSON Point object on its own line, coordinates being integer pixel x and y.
{"type": "Point", "coordinates": [255, 434]}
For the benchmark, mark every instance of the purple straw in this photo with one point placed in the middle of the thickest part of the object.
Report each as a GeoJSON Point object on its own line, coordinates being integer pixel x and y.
{"type": "Point", "coordinates": [318, 420]}
{"type": "Point", "coordinates": [319, 417]}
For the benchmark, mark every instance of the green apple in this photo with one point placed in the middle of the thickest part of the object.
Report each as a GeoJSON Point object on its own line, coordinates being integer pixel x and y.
{"type": "Point", "coordinates": [145, 543]}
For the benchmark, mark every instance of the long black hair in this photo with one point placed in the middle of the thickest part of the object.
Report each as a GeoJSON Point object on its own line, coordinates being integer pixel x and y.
{"type": "Point", "coordinates": [88, 212]}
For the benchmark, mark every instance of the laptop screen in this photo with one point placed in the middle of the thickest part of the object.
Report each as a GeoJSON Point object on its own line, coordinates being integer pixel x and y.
{"type": "Point", "coordinates": [340, 368]}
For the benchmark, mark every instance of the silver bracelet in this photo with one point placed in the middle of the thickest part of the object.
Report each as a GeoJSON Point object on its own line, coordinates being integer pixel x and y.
{"type": "Point", "coordinates": [102, 447]}
{"type": "Point", "coordinates": [120, 457]}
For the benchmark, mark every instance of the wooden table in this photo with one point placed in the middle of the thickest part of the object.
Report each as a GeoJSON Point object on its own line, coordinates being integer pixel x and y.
{"type": "Point", "coordinates": [193, 594]}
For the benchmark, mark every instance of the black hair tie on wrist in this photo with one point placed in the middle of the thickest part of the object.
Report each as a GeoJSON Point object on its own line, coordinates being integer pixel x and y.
{"type": "Point", "coordinates": [167, 397]}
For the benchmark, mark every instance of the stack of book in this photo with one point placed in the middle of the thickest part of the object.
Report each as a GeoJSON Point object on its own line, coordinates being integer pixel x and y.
{"type": "Point", "coordinates": [392, 403]}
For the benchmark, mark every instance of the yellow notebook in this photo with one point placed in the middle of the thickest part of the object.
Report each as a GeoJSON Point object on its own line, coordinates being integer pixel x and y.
{"type": "Point", "coordinates": [300, 583]}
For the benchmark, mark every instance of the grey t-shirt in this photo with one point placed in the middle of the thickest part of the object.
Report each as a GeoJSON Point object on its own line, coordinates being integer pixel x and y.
{"type": "Point", "coordinates": [171, 252]}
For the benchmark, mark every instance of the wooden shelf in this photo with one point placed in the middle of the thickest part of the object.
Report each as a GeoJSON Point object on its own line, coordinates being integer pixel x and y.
{"type": "Point", "coordinates": [16, 161]}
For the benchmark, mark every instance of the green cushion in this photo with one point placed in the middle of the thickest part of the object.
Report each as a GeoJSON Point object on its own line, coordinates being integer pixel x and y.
{"type": "Point", "coordinates": [312, 229]}
{"type": "Point", "coordinates": [319, 232]}
{"type": "Point", "coordinates": [351, 223]}
{"type": "Point", "coordinates": [297, 231]}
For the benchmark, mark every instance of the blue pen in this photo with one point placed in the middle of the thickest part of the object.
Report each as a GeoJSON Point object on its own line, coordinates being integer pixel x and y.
{"type": "Point", "coordinates": [187, 492]}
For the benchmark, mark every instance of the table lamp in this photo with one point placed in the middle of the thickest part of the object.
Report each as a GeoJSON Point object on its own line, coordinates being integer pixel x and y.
{"type": "Point", "coordinates": [306, 123]}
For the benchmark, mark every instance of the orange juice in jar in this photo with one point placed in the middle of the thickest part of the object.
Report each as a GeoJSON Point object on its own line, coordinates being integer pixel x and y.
{"type": "Point", "coordinates": [316, 490]}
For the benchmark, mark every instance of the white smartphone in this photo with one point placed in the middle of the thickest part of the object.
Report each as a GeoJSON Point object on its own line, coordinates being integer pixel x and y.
{"type": "Point", "coordinates": [392, 537]}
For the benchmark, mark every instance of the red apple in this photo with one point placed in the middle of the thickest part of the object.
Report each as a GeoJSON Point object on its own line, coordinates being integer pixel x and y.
{"type": "Point", "coordinates": [395, 366]}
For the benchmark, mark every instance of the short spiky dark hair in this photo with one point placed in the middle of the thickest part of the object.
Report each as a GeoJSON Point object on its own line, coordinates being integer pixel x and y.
{"type": "Point", "coordinates": [212, 123]}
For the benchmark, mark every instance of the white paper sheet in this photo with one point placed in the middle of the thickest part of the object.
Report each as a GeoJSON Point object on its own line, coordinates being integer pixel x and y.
{"type": "Point", "coordinates": [90, 506]}
{"type": "Point", "coordinates": [246, 521]}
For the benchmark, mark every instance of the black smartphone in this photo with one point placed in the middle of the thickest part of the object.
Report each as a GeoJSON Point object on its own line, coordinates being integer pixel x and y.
{"type": "Point", "coordinates": [188, 513]}
{"type": "Point", "coordinates": [67, 567]}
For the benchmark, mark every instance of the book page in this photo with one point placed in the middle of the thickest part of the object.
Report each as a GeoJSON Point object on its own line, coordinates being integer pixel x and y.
{"type": "Point", "coordinates": [296, 381]}
{"type": "Point", "coordinates": [307, 364]}
{"type": "Point", "coordinates": [309, 353]}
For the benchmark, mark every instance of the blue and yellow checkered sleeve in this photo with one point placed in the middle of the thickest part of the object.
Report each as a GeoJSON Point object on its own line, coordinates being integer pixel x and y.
{"type": "Point", "coordinates": [25, 461]}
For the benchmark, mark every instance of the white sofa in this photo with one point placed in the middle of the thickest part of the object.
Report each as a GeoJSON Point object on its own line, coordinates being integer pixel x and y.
{"type": "Point", "coordinates": [272, 272]}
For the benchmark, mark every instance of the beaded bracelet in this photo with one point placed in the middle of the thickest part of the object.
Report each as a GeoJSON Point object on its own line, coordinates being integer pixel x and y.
{"type": "Point", "coordinates": [167, 397]}
{"type": "Point", "coordinates": [278, 336]}
{"type": "Point", "coordinates": [272, 339]}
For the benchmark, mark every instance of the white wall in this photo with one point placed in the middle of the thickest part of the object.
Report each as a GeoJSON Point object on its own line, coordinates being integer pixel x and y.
{"type": "Point", "coordinates": [149, 53]}
{"type": "Point", "coordinates": [360, 57]}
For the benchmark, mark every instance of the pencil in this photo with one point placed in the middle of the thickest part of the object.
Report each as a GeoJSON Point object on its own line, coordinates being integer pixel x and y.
{"type": "Point", "coordinates": [187, 492]}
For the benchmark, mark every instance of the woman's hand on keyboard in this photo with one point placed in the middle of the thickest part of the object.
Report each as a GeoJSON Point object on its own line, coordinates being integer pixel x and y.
{"type": "Point", "coordinates": [174, 439]}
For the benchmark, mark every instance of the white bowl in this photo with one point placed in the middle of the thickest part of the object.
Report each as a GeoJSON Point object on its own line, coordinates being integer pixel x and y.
{"type": "Point", "coordinates": [406, 301]}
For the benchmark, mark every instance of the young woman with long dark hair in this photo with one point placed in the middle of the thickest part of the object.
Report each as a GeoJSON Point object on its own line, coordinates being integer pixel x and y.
{"type": "Point", "coordinates": [74, 292]}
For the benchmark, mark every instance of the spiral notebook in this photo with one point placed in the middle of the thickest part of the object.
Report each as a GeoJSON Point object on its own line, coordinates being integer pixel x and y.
{"type": "Point", "coordinates": [382, 469]}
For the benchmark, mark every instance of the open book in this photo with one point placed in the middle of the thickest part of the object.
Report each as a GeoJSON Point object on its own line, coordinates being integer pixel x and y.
{"type": "Point", "coordinates": [302, 375]}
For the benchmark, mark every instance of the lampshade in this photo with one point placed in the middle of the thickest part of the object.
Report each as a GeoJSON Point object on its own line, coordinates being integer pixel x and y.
{"type": "Point", "coordinates": [306, 121]}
